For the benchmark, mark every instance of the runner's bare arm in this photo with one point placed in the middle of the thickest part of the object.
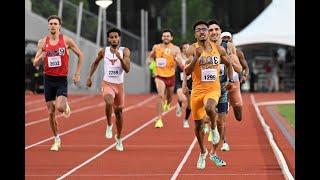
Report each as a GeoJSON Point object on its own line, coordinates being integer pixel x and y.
{"type": "Point", "coordinates": [244, 63]}
{"type": "Point", "coordinates": [178, 57]}
{"type": "Point", "coordinates": [40, 54]}
{"type": "Point", "coordinates": [184, 80]}
{"type": "Point", "coordinates": [235, 63]}
{"type": "Point", "coordinates": [151, 55]}
{"type": "Point", "coordinates": [231, 48]}
{"type": "Point", "coordinates": [226, 60]}
{"type": "Point", "coordinates": [233, 55]}
{"type": "Point", "coordinates": [192, 57]}
{"type": "Point", "coordinates": [94, 65]}
{"type": "Point", "coordinates": [74, 47]}
{"type": "Point", "coordinates": [125, 62]}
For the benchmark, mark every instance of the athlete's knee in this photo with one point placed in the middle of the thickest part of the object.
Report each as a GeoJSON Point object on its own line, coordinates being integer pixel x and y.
{"type": "Point", "coordinates": [108, 99]}
{"type": "Point", "coordinates": [209, 109]}
{"type": "Point", "coordinates": [51, 111]}
{"type": "Point", "coordinates": [220, 123]}
{"type": "Point", "coordinates": [118, 112]}
{"type": "Point", "coordinates": [198, 126]}
{"type": "Point", "coordinates": [60, 107]}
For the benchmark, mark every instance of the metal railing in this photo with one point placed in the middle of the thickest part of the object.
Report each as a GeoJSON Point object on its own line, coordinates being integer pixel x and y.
{"type": "Point", "coordinates": [89, 25]}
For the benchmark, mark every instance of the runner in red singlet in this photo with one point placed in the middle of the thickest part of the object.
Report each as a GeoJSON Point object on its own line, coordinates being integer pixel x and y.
{"type": "Point", "coordinates": [53, 49]}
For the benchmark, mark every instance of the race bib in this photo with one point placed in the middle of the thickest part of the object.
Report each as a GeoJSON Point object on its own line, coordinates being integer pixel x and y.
{"type": "Point", "coordinates": [113, 71]}
{"type": "Point", "coordinates": [54, 61]}
{"type": "Point", "coordinates": [181, 76]}
{"type": "Point", "coordinates": [208, 74]}
{"type": "Point", "coordinates": [221, 69]}
{"type": "Point", "coordinates": [161, 62]}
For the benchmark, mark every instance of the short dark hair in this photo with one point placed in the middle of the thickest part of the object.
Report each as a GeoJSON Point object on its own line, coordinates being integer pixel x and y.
{"type": "Point", "coordinates": [113, 30]}
{"type": "Point", "coordinates": [213, 21]}
{"type": "Point", "coordinates": [198, 23]}
{"type": "Point", "coordinates": [167, 30]}
{"type": "Point", "coordinates": [183, 43]}
{"type": "Point", "coordinates": [55, 17]}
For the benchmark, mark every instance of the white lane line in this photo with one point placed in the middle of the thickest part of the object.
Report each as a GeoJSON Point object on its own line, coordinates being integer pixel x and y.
{"type": "Point", "coordinates": [91, 122]}
{"type": "Point", "coordinates": [184, 160]}
{"type": "Point", "coordinates": [60, 115]}
{"type": "Point", "coordinates": [111, 146]}
{"type": "Point", "coordinates": [275, 102]}
{"type": "Point", "coordinates": [279, 156]}
{"type": "Point", "coordinates": [45, 107]}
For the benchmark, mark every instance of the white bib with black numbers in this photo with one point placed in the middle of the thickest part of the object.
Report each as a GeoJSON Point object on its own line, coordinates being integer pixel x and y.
{"type": "Point", "coordinates": [113, 71]}
{"type": "Point", "coordinates": [54, 61]}
{"type": "Point", "coordinates": [161, 62]}
{"type": "Point", "coordinates": [208, 74]}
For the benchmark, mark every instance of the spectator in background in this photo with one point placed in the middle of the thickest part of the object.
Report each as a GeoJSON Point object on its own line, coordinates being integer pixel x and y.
{"type": "Point", "coordinates": [274, 66]}
{"type": "Point", "coordinates": [36, 77]}
{"type": "Point", "coordinates": [268, 85]}
{"type": "Point", "coordinates": [152, 68]}
{"type": "Point", "coordinates": [253, 78]}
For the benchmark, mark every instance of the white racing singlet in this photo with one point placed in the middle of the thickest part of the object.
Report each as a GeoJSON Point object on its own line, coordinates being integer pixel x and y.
{"type": "Point", "coordinates": [113, 71]}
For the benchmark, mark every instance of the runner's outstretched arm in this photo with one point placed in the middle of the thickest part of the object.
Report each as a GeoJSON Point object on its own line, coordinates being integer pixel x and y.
{"type": "Point", "coordinates": [73, 46]}
{"type": "Point", "coordinates": [40, 55]}
{"type": "Point", "coordinates": [227, 61]}
{"type": "Point", "coordinates": [244, 64]}
{"type": "Point", "coordinates": [234, 58]}
{"type": "Point", "coordinates": [151, 55]}
{"type": "Point", "coordinates": [193, 56]}
{"type": "Point", "coordinates": [94, 66]}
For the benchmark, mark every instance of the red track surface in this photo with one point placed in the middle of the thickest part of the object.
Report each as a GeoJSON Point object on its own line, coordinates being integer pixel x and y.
{"type": "Point", "coordinates": [149, 153]}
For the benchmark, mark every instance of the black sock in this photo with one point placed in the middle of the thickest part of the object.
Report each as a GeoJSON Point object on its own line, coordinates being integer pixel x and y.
{"type": "Point", "coordinates": [188, 111]}
{"type": "Point", "coordinates": [180, 103]}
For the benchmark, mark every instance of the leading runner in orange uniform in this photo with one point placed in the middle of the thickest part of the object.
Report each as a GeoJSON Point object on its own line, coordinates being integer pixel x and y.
{"type": "Point", "coordinates": [203, 62]}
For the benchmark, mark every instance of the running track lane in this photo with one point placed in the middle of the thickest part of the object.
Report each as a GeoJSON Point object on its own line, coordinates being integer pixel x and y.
{"type": "Point", "coordinates": [251, 156]}
{"type": "Point", "coordinates": [43, 114]}
{"type": "Point", "coordinates": [151, 153]}
{"type": "Point", "coordinates": [83, 98]}
{"type": "Point", "coordinates": [76, 146]}
{"type": "Point", "coordinates": [41, 131]}
{"type": "Point", "coordinates": [283, 143]}
{"type": "Point", "coordinates": [39, 101]}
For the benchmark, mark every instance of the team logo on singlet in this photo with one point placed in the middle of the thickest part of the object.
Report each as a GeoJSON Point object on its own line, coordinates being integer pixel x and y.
{"type": "Point", "coordinates": [61, 51]}
{"type": "Point", "coordinates": [113, 61]}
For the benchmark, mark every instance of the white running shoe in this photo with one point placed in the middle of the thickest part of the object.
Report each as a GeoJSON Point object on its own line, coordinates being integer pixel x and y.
{"type": "Point", "coordinates": [225, 147]}
{"type": "Point", "coordinates": [119, 145]}
{"type": "Point", "coordinates": [178, 110]}
{"type": "Point", "coordinates": [215, 136]}
{"type": "Point", "coordinates": [201, 164]}
{"type": "Point", "coordinates": [56, 145]}
{"type": "Point", "coordinates": [206, 128]}
{"type": "Point", "coordinates": [67, 113]}
{"type": "Point", "coordinates": [109, 132]}
{"type": "Point", "coordinates": [186, 124]}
